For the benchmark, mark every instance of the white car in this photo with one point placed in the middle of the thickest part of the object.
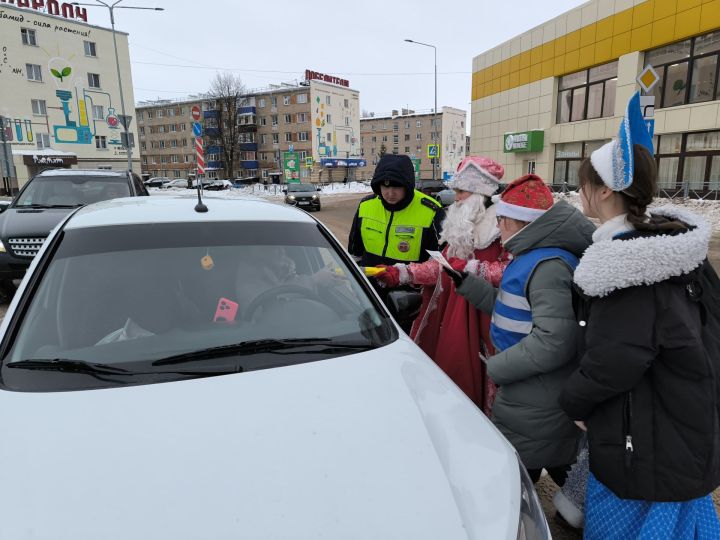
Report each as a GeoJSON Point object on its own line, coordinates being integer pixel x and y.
{"type": "Point", "coordinates": [171, 374]}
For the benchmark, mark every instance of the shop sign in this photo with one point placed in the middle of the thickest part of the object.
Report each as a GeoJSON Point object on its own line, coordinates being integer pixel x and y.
{"type": "Point", "coordinates": [52, 7]}
{"type": "Point", "coordinates": [331, 163]}
{"type": "Point", "coordinates": [314, 75]}
{"type": "Point", "coordinates": [56, 161]}
{"type": "Point", "coordinates": [526, 141]}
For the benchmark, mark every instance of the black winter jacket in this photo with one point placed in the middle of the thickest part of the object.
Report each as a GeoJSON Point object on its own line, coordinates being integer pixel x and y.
{"type": "Point", "coordinates": [646, 387]}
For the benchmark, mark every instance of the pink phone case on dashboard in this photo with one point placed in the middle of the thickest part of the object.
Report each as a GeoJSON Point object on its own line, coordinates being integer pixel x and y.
{"type": "Point", "coordinates": [226, 310]}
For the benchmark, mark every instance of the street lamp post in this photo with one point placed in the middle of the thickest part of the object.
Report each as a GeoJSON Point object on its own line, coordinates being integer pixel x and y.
{"type": "Point", "coordinates": [111, 9]}
{"type": "Point", "coordinates": [435, 137]}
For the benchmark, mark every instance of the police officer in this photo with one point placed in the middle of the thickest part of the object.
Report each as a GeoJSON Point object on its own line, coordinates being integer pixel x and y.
{"type": "Point", "coordinates": [397, 223]}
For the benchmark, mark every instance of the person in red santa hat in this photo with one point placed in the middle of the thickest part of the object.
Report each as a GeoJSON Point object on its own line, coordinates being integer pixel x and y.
{"type": "Point", "coordinates": [450, 331]}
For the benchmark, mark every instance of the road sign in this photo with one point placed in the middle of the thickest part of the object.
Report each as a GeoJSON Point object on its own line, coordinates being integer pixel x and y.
{"type": "Point", "coordinates": [291, 148]}
{"type": "Point", "coordinates": [416, 166]}
{"type": "Point", "coordinates": [308, 162]}
{"type": "Point", "coordinates": [197, 129]}
{"type": "Point", "coordinates": [648, 78]}
{"type": "Point", "coordinates": [647, 106]}
{"type": "Point", "coordinates": [195, 112]}
{"type": "Point", "coordinates": [125, 120]}
{"type": "Point", "coordinates": [433, 151]}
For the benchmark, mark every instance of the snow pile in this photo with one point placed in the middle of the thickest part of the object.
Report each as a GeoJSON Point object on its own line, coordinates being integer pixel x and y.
{"type": "Point", "coordinates": [709, 209]}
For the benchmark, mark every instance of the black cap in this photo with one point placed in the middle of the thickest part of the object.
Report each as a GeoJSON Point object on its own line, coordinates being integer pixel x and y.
{"type": "Point", "coordinates": [394, 170]}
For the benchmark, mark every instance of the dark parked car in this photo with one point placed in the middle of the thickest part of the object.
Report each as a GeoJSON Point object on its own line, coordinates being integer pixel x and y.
{"type": "Point", "coordinates": [430, 187]}
{"type": "Point", "coordinates": [45, 201]}
{"type": "Point", "coordinates": [302, 196]}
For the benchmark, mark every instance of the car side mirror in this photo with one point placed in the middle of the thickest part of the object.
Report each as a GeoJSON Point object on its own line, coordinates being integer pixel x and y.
{"type": "Point", "coordinates": [404, 306]}
{"type": "Point", "coordinates": [318, 189]}
{"type": "Point", "coordinates": [285, 191]}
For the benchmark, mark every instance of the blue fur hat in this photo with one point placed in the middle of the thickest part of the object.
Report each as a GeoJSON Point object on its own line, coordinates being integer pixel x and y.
{"type": "Point", "coordinates": [614, 161]}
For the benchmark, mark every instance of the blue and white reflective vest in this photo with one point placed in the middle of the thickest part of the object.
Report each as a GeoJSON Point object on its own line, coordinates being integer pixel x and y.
{"type": "Point", "coordinates": [512, 315]}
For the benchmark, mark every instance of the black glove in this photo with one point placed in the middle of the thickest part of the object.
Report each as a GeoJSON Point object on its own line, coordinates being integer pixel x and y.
{"type": "Point", "coordinates": [457, 276]}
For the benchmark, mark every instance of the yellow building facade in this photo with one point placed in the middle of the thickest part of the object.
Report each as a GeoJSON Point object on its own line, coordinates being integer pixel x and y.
{"type": "Point", "coordinates": [544, 100]}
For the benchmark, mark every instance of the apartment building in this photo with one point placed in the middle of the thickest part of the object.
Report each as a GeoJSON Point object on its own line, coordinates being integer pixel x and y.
{"type": "Point", "coordinates": [410, 133]}
{"type": "Point", "coordinates": [60, 94]}
{"type": "Point", "coordinates": [544, 100]}
{"type": "Point", "coordinates": [165, 137]}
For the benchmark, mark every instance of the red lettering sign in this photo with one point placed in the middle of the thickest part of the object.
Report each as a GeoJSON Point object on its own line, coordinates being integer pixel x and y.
{"type": "Point", "coordinates": [66, 9]}
{"type": "Point", "coordinates": [314, 75]}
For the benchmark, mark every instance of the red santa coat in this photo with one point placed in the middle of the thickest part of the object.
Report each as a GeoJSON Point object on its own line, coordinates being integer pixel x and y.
{"type": "Point", "coordinates": [452, 332]}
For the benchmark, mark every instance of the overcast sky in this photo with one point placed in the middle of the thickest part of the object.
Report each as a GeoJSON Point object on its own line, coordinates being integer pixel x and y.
{"type": "Point", "coordinates": [177, 51]}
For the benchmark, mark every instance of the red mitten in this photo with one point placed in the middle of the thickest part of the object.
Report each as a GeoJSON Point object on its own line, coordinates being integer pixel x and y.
{"type": "Point", "coordinates": [390, 277]}
{"type": "Point", "coordinates": [457, 264]}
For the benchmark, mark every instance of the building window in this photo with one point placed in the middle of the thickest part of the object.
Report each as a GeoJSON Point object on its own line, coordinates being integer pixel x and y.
{"type": "Point", "coordinates": [28, 37]}
{"type": "Point", "coordinates": [587, 94]}
{"type": "Point", "coordinates": [273, 101]}
{"type": "Point", "coordinates": [301, 118]}
{"type": "Point", "coordinates": [690, 159]}
{"type": "Point", "coordinates": [160, 113]}
{"type": "Point", "coordinates": [373, 138]}
{"type": "Point", "coordinates": [173, 143]}
{"type": "Point", "coordinates": [288, 118]}
{"type": "Point", "coordinates": [384, 138]}
{"type": "Point", "coordinates": [142, 131]}
{"type": "Point", "coordinates": [140, 115]}
{"type": "Point", "coordinates": [328, 119]}
{"type": "Point", "coordinates": [395, 139]}
{"type": "Point", "coordinates": [161, 129]}
{"type": "Point", "coordinates": [418, 136]}
{"type": "Point", "coordinates": [372, 127]}
{"type": "Point", "coordinates": [34, 72]}
{"type": "Point", "coordinates": [149, 114]}
{"type": "Point", "coordinates": [162, 145]}
{"type": "Point", "coordinates": [263, 138]}
{"type": "Point", "coordinates": [407, 136]}
{"type": "Point", "coordinates": [43, 140]}
{"type": "Point", "coordinates": [275, 138]}
{"type": "Point", "coordinates": [175, 158]}
{"type": "Point", "coordinates": [568, 157]}
{"type": "Point", "coordinates": [303, 136]}
{"type": "Point", "coordinates": [286, 100]}
{"type": "Point", "coordinates": [39, 107]}
{"type": "Point", "coordinates": [688, 71]}
{"type": "Point", "coordinates": [395, 150]}
{"type": "Point", "coordinates": [418, 124]}
{"type": "Point", "coordinates": [261, 103]}
{"type": "Point", "coordinates": [346, 103]}
{"type": "Point", "coordinates": [347, 138]}
{"type": "Point", "coordinates": [173, 127]}
{"type": "Point", "coordinates": [302, 98]}
{"type": "Point", "coordinates": [94, 82]}
{"type": "Point", "coordinates": [263, 120]}
{"type": "Point", "coordinates": [327, 100]}
{"type": "Point", "coordinates": [98, 112]}
{"type": "Point", "coordinates": [407, 124]}
{"type": "Point", "coordinates": [329, 137]}
{"type": "Point", "coordinates": [347, 121]}
{"type": "Point", "coordinates": [90, 48]}
{"type": "Point", "coordinates": [101, 142]}
{"type": "Point", "coordinates": [288, 137]}
{"type": "Point", "coordinates": [407, 149]}
{"type": "Point", "coordinates": [274, 119]}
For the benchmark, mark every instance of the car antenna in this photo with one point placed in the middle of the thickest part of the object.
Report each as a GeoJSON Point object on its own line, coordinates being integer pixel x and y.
{"type": "Point", "coordinates": [200, 206]}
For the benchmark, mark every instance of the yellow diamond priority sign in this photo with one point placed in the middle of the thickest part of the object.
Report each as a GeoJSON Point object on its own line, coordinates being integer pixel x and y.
{"type": "Point", "coordinates": [648, 78]}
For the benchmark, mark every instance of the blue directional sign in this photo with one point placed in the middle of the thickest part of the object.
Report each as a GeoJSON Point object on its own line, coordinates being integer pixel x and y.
{"type": "Point", "coordinates": [197, 129]}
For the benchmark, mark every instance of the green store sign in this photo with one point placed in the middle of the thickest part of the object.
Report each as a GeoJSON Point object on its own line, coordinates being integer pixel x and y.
{"type": "Point", "coordinates": [525, 141]}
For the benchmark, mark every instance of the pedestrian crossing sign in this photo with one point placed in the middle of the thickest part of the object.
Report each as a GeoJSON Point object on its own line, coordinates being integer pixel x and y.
{"type": "Point", "coordinates": [433, 151]}
{"type": "Point", "coordinates": [308, 162]}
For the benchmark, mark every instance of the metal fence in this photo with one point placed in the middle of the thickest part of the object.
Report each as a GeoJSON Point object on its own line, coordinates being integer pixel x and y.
{"type": "Point", "coordinates": [683, 190]}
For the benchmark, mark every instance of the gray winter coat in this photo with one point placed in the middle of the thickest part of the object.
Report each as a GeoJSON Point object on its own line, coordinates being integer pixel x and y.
{"type": "Point", "coordinates": [531, 374]}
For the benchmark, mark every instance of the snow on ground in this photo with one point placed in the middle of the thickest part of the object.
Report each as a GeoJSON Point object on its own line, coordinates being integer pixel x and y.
{"type": "Point", "coordinates": [709, 209]}
{"type": "Point", "coordinates": [274, 191]}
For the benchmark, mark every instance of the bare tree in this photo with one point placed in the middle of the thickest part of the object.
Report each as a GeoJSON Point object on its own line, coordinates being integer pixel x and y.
{"type": "Point", "coordinates": [227, 92]}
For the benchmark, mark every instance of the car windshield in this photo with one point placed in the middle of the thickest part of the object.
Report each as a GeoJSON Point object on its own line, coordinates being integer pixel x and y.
{"type": "Point", "coordinates": [301, 187]}
{"type": "Point", "coordinates": [71, 190]}
{"type": "Point", "coordinates": [164, 301]}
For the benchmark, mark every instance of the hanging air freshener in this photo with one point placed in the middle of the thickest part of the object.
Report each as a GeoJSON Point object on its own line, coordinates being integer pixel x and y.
{"type": "Point", "coordinates": [207, 262]}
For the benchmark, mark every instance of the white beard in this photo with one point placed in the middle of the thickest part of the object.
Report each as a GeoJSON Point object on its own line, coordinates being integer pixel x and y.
{"type": "Point", "coordinates": [458, 229]}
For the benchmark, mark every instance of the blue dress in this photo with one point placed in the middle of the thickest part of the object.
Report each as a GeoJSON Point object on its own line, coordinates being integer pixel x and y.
{"type": "Point", "coordinates": [607, 517]}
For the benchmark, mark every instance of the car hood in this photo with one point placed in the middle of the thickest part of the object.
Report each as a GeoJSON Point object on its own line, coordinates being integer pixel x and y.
{"type": "Point", "coordinates": [372, 445]}
{"type": "Point", "coordinates": [17, 222]}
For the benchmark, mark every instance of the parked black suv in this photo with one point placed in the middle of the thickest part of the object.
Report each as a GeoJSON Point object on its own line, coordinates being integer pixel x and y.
{"type": "Point", "coordinates": [43, 203]}
{"type": "Point", "coordinates": [303, 195]}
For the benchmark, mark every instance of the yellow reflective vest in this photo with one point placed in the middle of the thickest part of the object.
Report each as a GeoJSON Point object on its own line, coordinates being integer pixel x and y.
{"type": "Point", "coordinates": [396, 235]}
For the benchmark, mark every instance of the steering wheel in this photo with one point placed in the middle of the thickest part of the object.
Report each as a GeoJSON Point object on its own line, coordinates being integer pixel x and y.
{"type": "Point", "coordinates": [273, 293]}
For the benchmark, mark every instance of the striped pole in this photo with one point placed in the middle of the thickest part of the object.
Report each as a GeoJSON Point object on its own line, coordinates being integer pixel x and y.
{"type": "Point", "coordinates": [200, 155]}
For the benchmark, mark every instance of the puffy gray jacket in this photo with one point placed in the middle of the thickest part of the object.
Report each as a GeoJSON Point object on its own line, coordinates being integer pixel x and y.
{"type": "Point", "coordinates": [531, 374]}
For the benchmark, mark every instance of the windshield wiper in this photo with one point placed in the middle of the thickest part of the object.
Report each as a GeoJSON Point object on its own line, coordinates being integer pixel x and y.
{"type": "Point", "coordinates": [38, 206]}
{"type": "Point", "coordinates": [263, 346]}
{"type": "Point", "coordinates": [69, 366]}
